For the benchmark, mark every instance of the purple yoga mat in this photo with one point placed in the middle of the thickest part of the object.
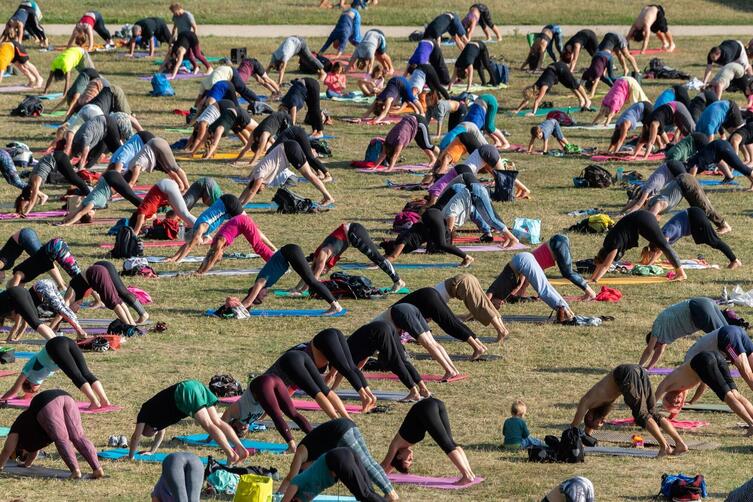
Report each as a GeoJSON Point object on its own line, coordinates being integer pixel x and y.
{"type": "Point", "coordinates": [431, 482]}
{"type": "Point", "coordinates": [484, 249]}
{"type": "Point", "coordinates": [179, 76]}
{"type": "Point", "coordinates": [31, 216]}
{"type": "Point", "coordinates": [407, 167]}
{"type": "Point", "coordinates": [15, 88]}
{"type": "Point", "coordinates": [67, 329]}
{"type": "Point", "coordinates": [667, 371]}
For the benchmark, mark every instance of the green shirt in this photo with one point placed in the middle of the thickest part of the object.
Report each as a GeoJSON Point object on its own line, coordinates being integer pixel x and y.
{"type": "Point", "coordinates": [682, 150]}
{"type": "Point", "coordinates": [515, 431]}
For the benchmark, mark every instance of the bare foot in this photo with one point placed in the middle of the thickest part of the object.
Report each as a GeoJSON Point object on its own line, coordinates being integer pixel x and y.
{"type": "Point", "coordinates": [680, 449]}
{"type": "Point", "coordinates": [749, 432]}
{"type": "Point", "coordinates": [671, 48]}
{"type": "Point", "coordinates": [334, 309]}
{"type": "Point", "coordinates": [142, 319]}
{"type": "Point", "coordinates": [449, 374]}
{"type": "Point", "coordinates": [467, 261]}
{"type": "Point", "coordinates": [400, 285]}
{"type": "Point", "coordinates": [327, 178]}
{"type": "Point", "coordinates": [681, 275]}
{"type": "Point", "coordinates": [241, 452]}
{"type": "Point", "coordinates": [724, 229]}
{"type": "Point", "coordinates": [477, 353]}
{"type": "Point", "coordinates": [98, 474]}
{"type": "Point", "coordinates": [510, 243]}
{"type": "Point", "coordinates": [663, 452]}
{"type": "Point", "coordinates": [463, 481]}
{"type": "Point", "coordinates": [735, 264]}
{"type": "Point", "coordinates": [76, 475]}
{"type": "Point", "coordinates": [94, 406]}
{"type": "Point", "coordinates": [327, 202]}
{"type": "Point", "coordinates": [412, 396]}
{"type": "Point", "coordinates": [367, 405]}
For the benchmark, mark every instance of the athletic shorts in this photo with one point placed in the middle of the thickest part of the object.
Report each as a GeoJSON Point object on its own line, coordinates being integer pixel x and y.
{"type": "Point", "coordinates": [660, 25]}
{"type": "Point", "coordinates": [713, 370]}
{"type": "Point", "coordinates": [273, 269]}
{"type": "Point", "coordinates": [485, 17]}
{"type": "Point", "coordinates": [153, 200]}
{"type": "Point", "coordinates": [20, 55]}
{"type": "Point", "coordinates": [209, 115]}
{"type": "Point", "coordinates": [192, 396]}
{"type": "Point", "coordinates": [456, 150]}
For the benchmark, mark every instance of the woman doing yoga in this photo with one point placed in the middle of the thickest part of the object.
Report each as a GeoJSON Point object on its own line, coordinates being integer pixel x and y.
{"type": "Point", "coordinates": [244, 225]}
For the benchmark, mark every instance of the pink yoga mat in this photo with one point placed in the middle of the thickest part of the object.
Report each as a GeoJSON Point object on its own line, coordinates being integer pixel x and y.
{"type": "Point", "coordinates": [35, 216]}
{"type": "Point", "coordinates": [83, 407]}
{"type": "Point", "coordinates": [375, 375]}
{"type": "Point", "coordinates": [301, 404]}
{"type": "Point", "coordinates": [483, 249]}
{"type": "Point", "coordinates": [407, 167]}
{"type": "Point", "coordinates": [15, 88]}
{"type": "Point", "coordinates": [150, 244]}
{"type": "Point", "coordinates": [649, 51]}
{"type": "Point", "coordinates": [626, 158]}
{"type": "Point", "coordinates": [5, 373]}
{"type": "Point", "coordinates": [431, 482]}
{"type": "Point", "coordinates": [666, 371]}
{"type": "Point", "coordinates": [678, 424]}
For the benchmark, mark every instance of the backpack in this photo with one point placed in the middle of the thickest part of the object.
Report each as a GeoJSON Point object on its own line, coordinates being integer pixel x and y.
{"type": "Point", "coordinates": [542, 454]}
{"type": "Point", "coordinates": [321, 147]}
{"type": "Point", "coordinates": [291, 203]}
{"type": "Point", "coordinates": [31, 106]}
{"type": "Point", "coordinates": [596, 176]}
{"type": "Point", "coordinates": [161, 86]}
{"type": "Point", "coordinates": [594, 224]}
{"type": "Point", "coordinates": [374, 150]}
{"type": "Point", "coordinates": [570, 449]}
{"type": "Point", "coordinates": [350, 286]}
{"type": "Point", "coordinates": [163, 229]}
{"type": "Point", "coordinates": [658, 69]}
{"type": "Point", "coordinates": [681, 488]}
{"type": "Point", "coordinates": [7, 355]}
{"type": "Point", "coordinates": [563, 118]}
{"type": "Point", "coordinates": [501, 73]}
{"type": "Point", "coordinates": [225, 386]}
{"type": "Point", "coordinates": [504, 186]}
{"type": "Point", "coordinates": [127, 244]}
{"type": "Point", "coordinates": [118, 327]}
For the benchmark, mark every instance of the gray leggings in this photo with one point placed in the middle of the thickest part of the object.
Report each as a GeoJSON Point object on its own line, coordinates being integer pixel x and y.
{"type": "Point", "coordinates": [203, 189]}
{"type": "Point", "coordinates": [354, 440]}
{"type": "Point", "coordinates": [182, 476]}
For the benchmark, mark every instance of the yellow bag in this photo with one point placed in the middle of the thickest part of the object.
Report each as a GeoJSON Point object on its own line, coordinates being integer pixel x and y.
{"type": "Point", "coordinates": [253, 488]}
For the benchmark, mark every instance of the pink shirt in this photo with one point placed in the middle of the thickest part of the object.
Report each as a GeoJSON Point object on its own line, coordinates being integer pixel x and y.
{"type": "Point", "coordinates": [244, 225]}
{"type": "Point", "coordinates": [335, 82]}
{"type": "Point", "coordinates": [543, 256]}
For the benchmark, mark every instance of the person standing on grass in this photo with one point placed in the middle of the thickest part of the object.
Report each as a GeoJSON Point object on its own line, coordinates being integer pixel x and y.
{"type": "Point", "coordinates": [183, 21]}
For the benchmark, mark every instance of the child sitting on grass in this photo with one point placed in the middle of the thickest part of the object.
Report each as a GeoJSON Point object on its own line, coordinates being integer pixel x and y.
{"type": "Point", "coordinates": [515, 429]}
{"type": "Point", "coordinates": [544, 131]}
{"type": "Point", "coordinates": [374, 83]}
{"type": "Point", "coordinates": [336, 82]}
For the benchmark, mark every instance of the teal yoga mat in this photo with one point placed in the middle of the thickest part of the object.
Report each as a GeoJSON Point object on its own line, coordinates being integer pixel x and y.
{"type": "Point", "coordinates": [544, 111]}
{"type": "Point", "coordinates": [281, 293]}
{"type": "Point", "coordinates": [155, 458]}
{"type": "Point", "coordinates": [359, 266]}
{"type": "Point", "coordinates": [287, 313]}
{"type": "Point", "coordinates": [200, 440]}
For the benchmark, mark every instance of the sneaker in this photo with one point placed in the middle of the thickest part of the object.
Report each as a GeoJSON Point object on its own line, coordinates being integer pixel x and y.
{"type": "Point", "coordinates": [122, 442]}
{"type": "Point", "coordinates": [112, 441]}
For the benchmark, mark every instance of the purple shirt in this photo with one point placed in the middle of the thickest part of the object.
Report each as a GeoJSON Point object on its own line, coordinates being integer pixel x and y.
{"type": "Point", "coordinates": [403, 132]}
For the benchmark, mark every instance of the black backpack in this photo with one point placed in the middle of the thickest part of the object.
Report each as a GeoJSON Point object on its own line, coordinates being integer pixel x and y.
{"type": "Point", "coordinates": [350, 286]}
{"type": "Point", "coordinates": [127, 244]}
{"type": "Point", "coordinates": [504, 186]}
{"type": "Point", "coordinates": [225, 386]}
{"type": "Point", "coordinates": [542, 454]}
{"type": "Point", "coordinates": [291, 203]}
{"type": "Point", "coordinates": [570, 449]}
{"type": "Point", "coordinates": [31, 106]}
{"type": "Point", "coordinates": [321, 147]}
{"type": "Point", "coordinates": [596, 176]}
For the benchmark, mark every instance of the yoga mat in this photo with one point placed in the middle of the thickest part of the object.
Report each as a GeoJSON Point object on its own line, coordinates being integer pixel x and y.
{"type": "Point", "coordinates": [59, 213]}
{"type": "Point", "coordinates": [625, 437]}
{"type": "Point", "coordinates": [281, 293]}
{"type": "Point", "coordinates": [359, 266]}
{"type": "Point", "coordinates": [678, 424]}
{"type": "Point", "coordinates": [591, 127]}
{"type": "Point", "coordinates": [377, 375]}
{"type": "Point", "coordinates": [648, 51]}
{"type": "Point", "coordinates": [719, 408]}
{"type": "Point", "coordinates": [621, 452]}
{"type": "Point", "coordinates": [544, 111]}
{"type": "Point", "coordinates": [216, 156]}
{"type": "Point", "coordinates": [389, 119]}
{"type": "Point", "coordinates": [383, 170]}
{"type": "Point", "coordinates": [201, 440]}
{"type": "Point", "coordinates": [430, 482]}
{"type": "Point", "coordinates": [4, 431]}
{"type": "Point", "coordinates": [5, 373]}
{"type": "Point", "coordinates": [701, 181]}
{"type": "Point", "coordinates": [301, 404]}
{"type": "Point", "coordinates": [617, 281]}
{"type": "Point", "coordinates": [56, 113]}
{"type": "Point", "coordinates": [488, 248]}
{"type": "Point", "coordinates": [82, 407]}
{"type": "Point", "coordinates": [150, 244]}
{"type": "Point", "coordinates": [156, 458]}
{"type": "Point", "coordinates": [199, 259]}
{"type": "Point", "coordinates": [35, 471]}
{"type": "Point", "coordinates": [179, 76]}
{"type": "Point", "coordinates": [260, 205]}
{"type": "Point", "coordinates": [230, 271]}
{"type": "Point", "coordinates": [52, 95]}
{"type": "Point", "coordinates": [625, 158]}
{"type": "Point", "coordinates": [287, 313]}
{"type": "Point", "coordinates": [422, 356]}
{"type": "Point", "coordinates": [182, 130]}
{"type": "Point", "coordinates": [483, 339]}
{"type": "Point", "coordinates": [334, 498]}
{"type": "Point", "coordinates": [473, 239]}
{"type": "Point", "coordinates": [211, 59]}
{"type": "Point", "coordinates": [352, 395]}
{"type": "Point", "coordinates": [25, 355]}
{"type": "Point", "coordinates": [7, 89]}
{"type": "Point", "coordinates": [666, 371]}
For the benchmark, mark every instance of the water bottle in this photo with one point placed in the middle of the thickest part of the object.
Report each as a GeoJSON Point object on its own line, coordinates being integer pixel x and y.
{"type": "Point", "coordinates": [620, 171]}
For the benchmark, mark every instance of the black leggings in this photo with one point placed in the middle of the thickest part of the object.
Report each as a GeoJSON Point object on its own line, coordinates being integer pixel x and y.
{"type": "Point", "coordinates": [436, 59]}
{"type": "Point", "coordinates": [437, 233]}
{"type": "Point", "coordinates": [458, 116]}
{"type": "Point", "coordinates": [296, 368]}
{"type": "Point", "coordinates": [313, 106]}
{"type": "Point", "coordinates": [713, 370]}
{"type": "Point", "coordinates": [65, 353]}
{"type": "Point", "coordinates": [117, 182]}
{"type": "Point", "coordinates": [297, 261]}
{"type": "Point", "coordinates": [431, 305]}
{"type": "Point", "coordinates": [121, 288]}
{"type": "Point", "coordinates": [380, 336]}
{"type": "Point", "coordinates": [100, 28]}
{"type": "Point", "coordinates": [32, 26]}
{"type": "Point", "coordinates": [64, 167]}
{"type": "Point", "coordinates": [350, 471]}
{"type": "Point", "coordinates": [423, 136]}
{"type": "Point", "coordinates": [428, 415]}
{"type": "Point", "coordinates": [298, 134]}
{"type": "Point", "coordinates": [359, 238]}
{"type": "Point", "coordinates": [17, 299]}
{"type": "Point", "coordinates": [433, 81]}
{"type": "Point", "coordinates": [703, 232]}
{"type": "Point", "coordinates": [270, 392]}
{"type": "Point", "coordinates": [27, 241]}
{"type": "Point", "coordinates": [333, 345]}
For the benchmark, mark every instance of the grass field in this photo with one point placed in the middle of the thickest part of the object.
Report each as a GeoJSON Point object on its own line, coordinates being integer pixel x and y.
{"type": "Point", "coordinates": [548, 366]}
{"type": "Point", "coordinates": [401, 12]}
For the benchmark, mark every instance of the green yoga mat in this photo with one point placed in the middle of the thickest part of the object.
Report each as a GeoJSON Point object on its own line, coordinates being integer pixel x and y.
{"type": "Point", "coordinates": [182, 130]}
{"type": "Point", "coordinates": [544, 111]}
{"type": "Point", "coordinates": [56, 113]}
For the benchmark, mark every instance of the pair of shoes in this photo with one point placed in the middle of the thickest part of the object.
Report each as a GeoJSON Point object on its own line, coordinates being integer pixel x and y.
{"type": "Point", "coordinates": [117, 442]}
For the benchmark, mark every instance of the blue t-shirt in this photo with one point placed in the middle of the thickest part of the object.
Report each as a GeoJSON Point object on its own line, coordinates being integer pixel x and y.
{"type": "Point", "coordinates": [712, 118]}
{"type": "Point", "coordinates": [677, 227]}
{"type": "Point", "coordinates": [633, 114]}
{"type": "Point", "coordinates": [214, 216]}
{"type": "Point", "coordinates": [665, 97]}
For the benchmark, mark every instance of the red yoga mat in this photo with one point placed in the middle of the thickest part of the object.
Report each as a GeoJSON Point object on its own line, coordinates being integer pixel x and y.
{"type": "Point", "coordinates": [151, 244]}
{"type": "Point", "coordinates": [678, 424]}
{"type": "Point", "coordinates": [429, 378]}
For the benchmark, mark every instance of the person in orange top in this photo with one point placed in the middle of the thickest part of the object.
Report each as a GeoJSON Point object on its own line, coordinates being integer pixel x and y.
{"type": "Point", "coordinates": [14, 53]}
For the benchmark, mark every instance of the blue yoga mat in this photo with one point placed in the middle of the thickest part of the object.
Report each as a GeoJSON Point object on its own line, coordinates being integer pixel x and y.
{"type": "Point", "coordinates": [155, 458]}
{"type": "Point", "coordinates": [358, 266]}
{"type": "Point", "coordinates": [4, 431]}
{"type": "Point", "coordinates": [200, 440]}
{"type": "Point", "coordinates": [287, 313]}
{"type": "Point", "coordinates": [52, 95]}
{"type": "Point", "coordinates": [25, 355]}
{"type": "Point", "coordinates": [260, 205]}
{"type": "Point", "coordinates": [334, 498]}
{"type": "Point", "coordinates": [702, 182]}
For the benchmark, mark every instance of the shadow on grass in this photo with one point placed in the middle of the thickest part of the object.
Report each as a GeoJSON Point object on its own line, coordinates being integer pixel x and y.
{"type": "Point", "coordinates": [485, 447]}
{"type": "Point", "coordinates": [741, 5]}
{"type": "Point", "coordinates": [737, 449]}
{"type": "Point", "coordinates": [577, 369]}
